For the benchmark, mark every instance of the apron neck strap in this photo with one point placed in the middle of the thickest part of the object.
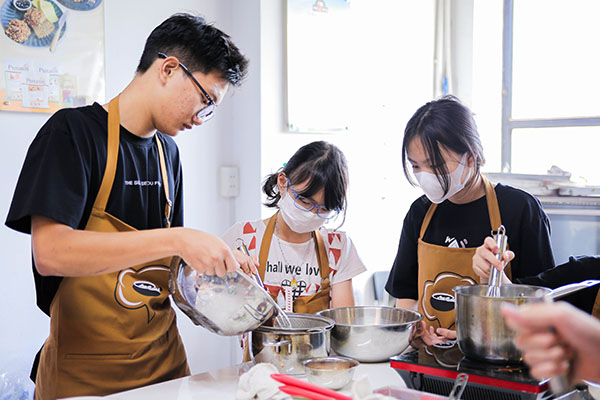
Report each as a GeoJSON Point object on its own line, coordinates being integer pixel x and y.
{"type": "Point", "coordinates": [112, 155]}
{"type": "Point", "coordinates": [321, 255]}
{"type": "Point", "coordinates": [492, 203]}
{"type": "Point", "coordinates": [165, 181]}
{"type": "Point", "coordinates": [266, 245]}
{"type": "Point", "coordinates": [427, 219]}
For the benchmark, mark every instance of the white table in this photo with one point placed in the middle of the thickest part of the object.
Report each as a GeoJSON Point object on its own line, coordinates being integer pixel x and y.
{"type": "Point", "coordinates": [221, 384]}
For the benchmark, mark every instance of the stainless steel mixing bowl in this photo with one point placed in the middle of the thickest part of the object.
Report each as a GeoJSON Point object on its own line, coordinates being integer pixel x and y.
{"type": "Point", "coordinates": [228, 305]}
{"type": "Point", "coordinates": [330, 372]}
{"type": "Point", "coordinates": [371, 333]}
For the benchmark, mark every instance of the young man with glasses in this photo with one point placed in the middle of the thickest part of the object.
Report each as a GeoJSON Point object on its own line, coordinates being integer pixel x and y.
{"type": "Point", "coordinates": [101, 194]}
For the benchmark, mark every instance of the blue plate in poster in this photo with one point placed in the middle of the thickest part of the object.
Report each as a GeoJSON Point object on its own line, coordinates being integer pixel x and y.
{"type": "Point", "coordinates": [8, 12]}
{"type": "Point", "coordinates": [82, 5]}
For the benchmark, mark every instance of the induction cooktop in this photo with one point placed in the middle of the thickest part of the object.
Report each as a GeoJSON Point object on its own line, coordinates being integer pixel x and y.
{"type": "Point", "coordinates": [433, 369]}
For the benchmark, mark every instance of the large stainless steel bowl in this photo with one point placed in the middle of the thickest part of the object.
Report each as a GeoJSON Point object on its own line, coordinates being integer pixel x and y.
{"type": "Point", "coordinates": [227, 305]}
{"type": "Point", "coordinates": [371, 333]}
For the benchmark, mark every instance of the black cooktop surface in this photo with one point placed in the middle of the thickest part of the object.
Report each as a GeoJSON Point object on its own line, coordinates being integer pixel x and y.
{"type": "Point", "coordinates": [447, 361]}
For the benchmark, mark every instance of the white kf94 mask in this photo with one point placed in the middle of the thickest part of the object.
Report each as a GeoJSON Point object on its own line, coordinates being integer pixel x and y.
{"type": "Point", "coordinates": [433, 187]}
{"type": "Point", "coordinates": [298, 220]}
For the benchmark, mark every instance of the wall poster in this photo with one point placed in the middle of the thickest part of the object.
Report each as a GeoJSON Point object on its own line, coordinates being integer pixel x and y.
{"type": "Point", "coordinates": [51, 54]}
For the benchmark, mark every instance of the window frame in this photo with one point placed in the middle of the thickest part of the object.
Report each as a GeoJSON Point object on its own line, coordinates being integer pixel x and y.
{"type": "Point", "coordinates": [508, 123]}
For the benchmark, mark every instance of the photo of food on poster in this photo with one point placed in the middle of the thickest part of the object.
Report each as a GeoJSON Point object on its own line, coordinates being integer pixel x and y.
{"type": "Point", "coordinates": [51, 54]}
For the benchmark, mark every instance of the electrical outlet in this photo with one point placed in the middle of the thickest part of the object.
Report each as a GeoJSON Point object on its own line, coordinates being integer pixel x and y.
{"type": "Point", "coordinates": [229, 181]}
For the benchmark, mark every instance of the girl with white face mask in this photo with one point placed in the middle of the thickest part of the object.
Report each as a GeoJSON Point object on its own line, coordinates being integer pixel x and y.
{"type": "Point", "coordinates": [442, 154]}
{"type": "Point", "coordinates": [305, 267]}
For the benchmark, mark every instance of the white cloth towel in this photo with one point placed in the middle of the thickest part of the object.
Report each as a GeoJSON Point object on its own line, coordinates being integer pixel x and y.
{"type": "Point", "coordinates": [361, 390]}
{"type": "Point", "coordinates": [258, 384]}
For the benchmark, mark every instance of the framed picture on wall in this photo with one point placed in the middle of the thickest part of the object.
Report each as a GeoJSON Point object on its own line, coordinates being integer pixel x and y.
{"type": "Point", "coordinates": [52, 54]}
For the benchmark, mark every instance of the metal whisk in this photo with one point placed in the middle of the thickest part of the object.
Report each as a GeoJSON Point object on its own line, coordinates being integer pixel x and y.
{"type": "Point", "coordinates": [496, 276]}
{"type": "Point", "coordinates": [280, 319]}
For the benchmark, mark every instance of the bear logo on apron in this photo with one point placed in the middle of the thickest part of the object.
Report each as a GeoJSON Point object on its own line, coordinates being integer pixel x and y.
{"type": "Point", "coordinates": [437, 296]}
{"type": "Point", "coordinates": [136, 289]}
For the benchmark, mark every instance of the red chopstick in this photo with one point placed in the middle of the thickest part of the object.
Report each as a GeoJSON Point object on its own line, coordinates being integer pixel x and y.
{"type": "Point", "coordinates": [298, 391]}
{"type": "Point", "coordinates": [298, 383]}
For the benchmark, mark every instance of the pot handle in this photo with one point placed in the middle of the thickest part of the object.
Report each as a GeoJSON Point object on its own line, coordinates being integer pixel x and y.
{"type": "Point", "coordinates": [277, 344]}
{"type": "Point", "coordinates": [573, 287]}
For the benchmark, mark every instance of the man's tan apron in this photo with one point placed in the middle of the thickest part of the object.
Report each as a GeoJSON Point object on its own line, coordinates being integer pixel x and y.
{"type": "Point", "coordinates": [442, 268]}
{"type": "Point", "coordinates": [115, 331]}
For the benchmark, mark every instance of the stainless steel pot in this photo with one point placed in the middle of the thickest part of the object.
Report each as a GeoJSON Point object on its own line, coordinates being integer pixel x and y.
{"type": "Point", "coordinates": [288, 348]}
{"type": "Point", "coordinates": [227, 305]}
{"type": "Point", "coordinates": [481, 332]}
{"type": "Point", "coordinates": [371, 333]}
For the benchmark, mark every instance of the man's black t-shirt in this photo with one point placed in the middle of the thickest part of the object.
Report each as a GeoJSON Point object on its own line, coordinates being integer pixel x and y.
{"type": "Point", "coordinates": [63, 170]}
{"type": "Point", "coordinates": [467, 225]}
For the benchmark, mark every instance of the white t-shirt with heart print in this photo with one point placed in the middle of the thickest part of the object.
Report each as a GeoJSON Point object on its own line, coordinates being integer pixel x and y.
{"type": "Point", "coordinates": [295, 264]}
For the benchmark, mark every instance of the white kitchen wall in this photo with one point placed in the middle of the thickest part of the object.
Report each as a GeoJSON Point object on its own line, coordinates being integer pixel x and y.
{"type": "Point", "coordinates": [231, 137]}
{"type": "Point", "coordinates": [249, 131]}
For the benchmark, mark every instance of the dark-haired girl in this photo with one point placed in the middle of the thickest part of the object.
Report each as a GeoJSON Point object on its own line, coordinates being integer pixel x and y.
{"type": "Point", "coordinates": [460, 208]}
{"type": "Point", "coordinates": [305, 267]}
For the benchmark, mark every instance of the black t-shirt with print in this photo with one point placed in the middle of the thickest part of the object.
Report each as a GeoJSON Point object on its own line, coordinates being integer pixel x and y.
{"type": "Point", "coordinates": [467, 225]}
{"type": "Point", "coordinates": [63, 171]}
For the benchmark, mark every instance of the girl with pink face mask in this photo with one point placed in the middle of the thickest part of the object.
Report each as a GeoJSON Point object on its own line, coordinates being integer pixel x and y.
{"type": "Point", "coordinates": [442, 154]}
{"type": "Point", "coordinates": [304, 266]}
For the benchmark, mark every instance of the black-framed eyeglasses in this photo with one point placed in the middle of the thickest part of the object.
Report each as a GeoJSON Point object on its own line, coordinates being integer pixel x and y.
{"type": "Point", "coordinates": [207, 112]}
{"type": "Point", "coordinates": [307, 204]}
